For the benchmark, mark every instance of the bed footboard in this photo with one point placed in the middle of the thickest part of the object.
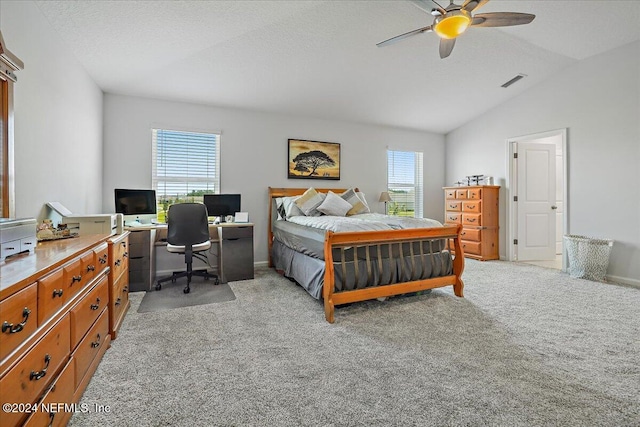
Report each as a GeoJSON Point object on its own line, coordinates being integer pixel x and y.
{"type": "Point", "coordinates": [363, 252]}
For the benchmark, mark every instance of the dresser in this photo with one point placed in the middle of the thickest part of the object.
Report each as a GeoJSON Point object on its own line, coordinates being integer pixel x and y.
{"type": "Point", "coordinates": [476, 208]}
{"type": "Point", "coordinates": [55, 308]}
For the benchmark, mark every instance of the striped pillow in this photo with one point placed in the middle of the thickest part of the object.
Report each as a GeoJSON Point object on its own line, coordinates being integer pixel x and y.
{"type": "Point", "coordinates": [357, 205]}
{"type": "Point", "coordinates": [309, 201]}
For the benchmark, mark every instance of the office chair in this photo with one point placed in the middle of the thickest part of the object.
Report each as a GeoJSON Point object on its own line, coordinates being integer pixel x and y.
{"type": "Point", "coordinates": [188, 234]}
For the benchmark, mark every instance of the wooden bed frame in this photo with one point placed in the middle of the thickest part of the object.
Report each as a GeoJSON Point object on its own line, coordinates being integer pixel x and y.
{"type": "Point", "coordinates": [372, 241]}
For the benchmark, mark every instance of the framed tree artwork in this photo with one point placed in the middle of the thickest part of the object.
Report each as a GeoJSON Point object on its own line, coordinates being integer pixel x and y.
{"type": "Point", "coordinates": [313, 159]}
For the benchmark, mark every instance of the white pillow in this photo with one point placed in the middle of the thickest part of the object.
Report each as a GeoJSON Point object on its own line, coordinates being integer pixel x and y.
{"type": "Point", "coordinates": [309, 201]}
{"type": "Point", "coordinates": [334, 205]}
{"type": "Point", "coordinates": [360, 195]}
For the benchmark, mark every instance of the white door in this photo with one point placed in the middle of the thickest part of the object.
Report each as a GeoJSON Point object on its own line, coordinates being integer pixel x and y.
{"type": "Point", "coordinates": [536, 205]}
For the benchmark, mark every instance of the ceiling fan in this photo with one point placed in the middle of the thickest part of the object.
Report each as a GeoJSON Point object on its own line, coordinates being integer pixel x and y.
{"type": "Point", "coordinates": [452, 21]}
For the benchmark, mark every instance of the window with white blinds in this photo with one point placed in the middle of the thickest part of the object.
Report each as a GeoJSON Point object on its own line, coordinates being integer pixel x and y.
{"type": "Point", "coordinates": [404, 183]}
{"type": "Point", "coordinates": [186, 165]}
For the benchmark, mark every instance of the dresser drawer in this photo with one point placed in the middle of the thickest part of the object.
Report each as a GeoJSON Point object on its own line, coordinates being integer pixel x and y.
{"type": "Point", "coordinates": [475, 194]}
{"type": "Point", "coordinates": [450, 194]}
{"type": "Point", "coordinates": [19, 317]}
{"type": "Point", "coordinates": [453, 206]}
{"type": "Point", "coordinates": [26, 381]}
{"type": "Point", "coordinates": [120, 258]}
{"type": "Point", "coordinates": [90, 346]}
{"type": "Point", "coordinates": [85, 312]}
{"type": "Point", "coordinates": [102, 256]}
{"type": "Point", "coordinates": [51, 295]}
{"type": "Point", "coordinates": [471, 219]}
{"type": "Point", "coordinates": [50, 412]}
{"type": "Point", "coordinates": [455, 218]}
{"type": "Point", "coordinates": [471, 247]}
{"type": "Point", "coordinates": [473, 207]}
{"type": "Point", "coordinates": [87, 267]}
{"type": "Point", "coordinates": [471, 234]}
{"type": "Point", "coordinates": [73, 282]}
{"type": "Point", "coordinates": [119, 303]}
{"type": "Point", "coordinates": [461, 194]}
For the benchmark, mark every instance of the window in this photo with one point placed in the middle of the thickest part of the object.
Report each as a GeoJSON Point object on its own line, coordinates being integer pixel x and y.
{"type": "Point", "coordinates": [404, 183]}
{"type": "Point", "coordinates": [186, 165]}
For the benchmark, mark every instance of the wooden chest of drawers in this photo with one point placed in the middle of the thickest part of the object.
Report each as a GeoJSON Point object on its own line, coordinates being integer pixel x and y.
{"type": "Point", "coordinates": [476, 208]}
{"type": "Point", "coordinates": [55, 316]}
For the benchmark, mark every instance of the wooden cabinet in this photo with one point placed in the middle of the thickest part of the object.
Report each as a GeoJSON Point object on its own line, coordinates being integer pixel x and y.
{"type": "Point", "coordinates": [476, 208]}
{"type": "Point", "coordinates": [119, 253]}
{"type": "Point", "coordinates": [55, 313]}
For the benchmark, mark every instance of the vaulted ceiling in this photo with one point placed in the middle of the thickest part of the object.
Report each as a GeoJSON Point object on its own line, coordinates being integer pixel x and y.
{"type": "Point", "coordinates": [319, 58]}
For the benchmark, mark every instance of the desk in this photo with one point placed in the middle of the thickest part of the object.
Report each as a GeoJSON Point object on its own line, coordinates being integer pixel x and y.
{"type": "Point", "coordinates": [231, 252]}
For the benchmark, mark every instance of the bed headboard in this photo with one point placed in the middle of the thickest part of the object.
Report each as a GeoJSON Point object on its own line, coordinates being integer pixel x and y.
{"type": "Point", "coordinates": [288, 192]}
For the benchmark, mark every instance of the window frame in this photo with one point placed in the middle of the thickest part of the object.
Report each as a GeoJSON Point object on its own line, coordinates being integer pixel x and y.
{"type": "Point", "coordinates": [163, 207]}
{"type": "Point", "coordinates": [417, 185]}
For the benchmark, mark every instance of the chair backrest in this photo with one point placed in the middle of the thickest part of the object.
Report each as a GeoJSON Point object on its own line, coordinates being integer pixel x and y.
{"type": "Point", "coordinates": [188, 224]}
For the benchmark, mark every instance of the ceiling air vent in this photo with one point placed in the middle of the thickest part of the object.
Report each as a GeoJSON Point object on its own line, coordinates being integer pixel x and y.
{"type": "Point", "coordinates": [513, 80]}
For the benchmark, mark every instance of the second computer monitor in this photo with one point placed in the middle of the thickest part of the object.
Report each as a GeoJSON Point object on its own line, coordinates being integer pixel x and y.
{"type": "Point", "coordinates": [221, 205]}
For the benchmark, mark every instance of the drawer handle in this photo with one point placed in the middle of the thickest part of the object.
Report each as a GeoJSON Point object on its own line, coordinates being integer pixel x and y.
{"type": "Point", "coordinates": [8, 327]}
{"type": "Point", "coordinates": [118, 302]}
{"type": "Point", "coordinates": [463, 233]}
{"type": "Point", "coordinates": [124, 244]}
{"type": "Point", "coordinates": [96, 343]}
{"type": "Point", "coordinates": [117, 263]}
{"type": "Point", "coordinates": [125, 289]}
{"type": "Point", "coordinates": [91, 268]}
{"type": "Point", "coordinates": [471, 220]}
{"type": "Point", "coordinates": [96, 305]}
{"type": "Point", "coordinates": [76, 279]}
{"type": "Point", "coordinates": [57, 293]}
{"type": "Point", "coordinates": [51, 417]}
{"type": "Point", "coordinates": [36, 375]}
{"type": "Point", "coordinates": [125, 254]}
{"type": "Point", "coordinates": [472, 207]}
{"type": "Point", "coordinates": [103, 259]}
{"type": "Point", "coordinates": [453, 206]}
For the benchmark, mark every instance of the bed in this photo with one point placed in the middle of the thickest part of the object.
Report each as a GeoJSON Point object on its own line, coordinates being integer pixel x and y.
{"type": "Point", "coordinates": [361, 257]}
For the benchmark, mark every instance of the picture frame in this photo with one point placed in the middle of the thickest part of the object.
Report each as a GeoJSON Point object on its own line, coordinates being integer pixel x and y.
{"type": "Point", "coordinates": [241, 217]}
{"type": "Point", "coordinates": [313, 159]}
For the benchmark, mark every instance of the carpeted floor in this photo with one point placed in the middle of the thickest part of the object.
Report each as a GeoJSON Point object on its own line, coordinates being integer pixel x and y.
{"type": "Point", "coordinates": [528, 346]}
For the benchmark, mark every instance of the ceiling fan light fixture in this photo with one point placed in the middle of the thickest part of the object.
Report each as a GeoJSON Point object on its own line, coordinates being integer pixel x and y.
{"type": "Point", "coordinates": [453, 24]}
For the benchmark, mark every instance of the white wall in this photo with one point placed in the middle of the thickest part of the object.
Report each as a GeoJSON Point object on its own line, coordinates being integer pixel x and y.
{"type": "Point", "coordinates": [598, 100]}
{"type": "Point", "coordinates": [58, 118]}
{"type": "Point", "coordinates": [254, 153]}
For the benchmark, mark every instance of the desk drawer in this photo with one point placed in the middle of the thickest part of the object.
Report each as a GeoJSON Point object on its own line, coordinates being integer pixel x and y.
{"type": "Point", "coordinates": [26, 381]}
{"type": "Point", "coordinates": [19, 318]}
{"type": "Point", "coordinates": [229, 233]}
{"type": "Point", "coordinates": [88, 310]}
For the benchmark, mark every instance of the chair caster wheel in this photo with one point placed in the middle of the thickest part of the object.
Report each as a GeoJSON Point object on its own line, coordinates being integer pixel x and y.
{"type": "Point", "coordinates": [216, 281]}
{"type": "Point", "coordinates": [173, 280]}
{"type": "Point", "coordinates": [186, 290]}
{"type": "Point", "coordinates": [158, 287]}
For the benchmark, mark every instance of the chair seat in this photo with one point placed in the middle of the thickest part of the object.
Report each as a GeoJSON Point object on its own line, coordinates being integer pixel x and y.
{"type": "Point", "coordinates": [196, 248]}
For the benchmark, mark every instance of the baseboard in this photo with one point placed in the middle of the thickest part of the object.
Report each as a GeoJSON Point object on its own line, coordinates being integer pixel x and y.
{"type": "Point", "coordinates": [624, 280]}
{"type": "Point", "coordinates": [260, 264]}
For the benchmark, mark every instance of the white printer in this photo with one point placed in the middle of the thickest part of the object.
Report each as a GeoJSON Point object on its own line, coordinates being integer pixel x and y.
{"type": "Point", "coordinates": [86, 224]}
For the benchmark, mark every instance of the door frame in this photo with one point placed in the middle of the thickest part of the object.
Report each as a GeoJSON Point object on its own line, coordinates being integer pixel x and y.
{"type": "Point", "coordinates": [512, 211]}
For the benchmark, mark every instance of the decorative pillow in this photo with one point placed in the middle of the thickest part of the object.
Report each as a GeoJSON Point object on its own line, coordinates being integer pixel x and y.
{"type": "Point", "coordinates": [309, 201]}
{"type": "Point", "coordinates": [334, 205]}
{"type": "Point", "coordinates": [290, 208]}
{"type": "Point", "coordinates": [360, 195]}
{"type": "Point", "coordinates": [357, 206]}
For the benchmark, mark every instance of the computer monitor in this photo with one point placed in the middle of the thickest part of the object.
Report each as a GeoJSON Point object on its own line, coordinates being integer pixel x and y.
{"type": "Point", "coordinates": [221, 205]}
{"type": "Point", "coordinates": [136, 205]}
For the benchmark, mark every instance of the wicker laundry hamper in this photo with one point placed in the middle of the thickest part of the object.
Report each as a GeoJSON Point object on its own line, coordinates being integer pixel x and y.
{"type": "Point", "coordinates": [588, 257]}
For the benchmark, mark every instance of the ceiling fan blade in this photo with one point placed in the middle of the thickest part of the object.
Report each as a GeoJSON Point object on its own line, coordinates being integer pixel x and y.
{"type": "Point", "coordinates": [428, 6]}
{"type": "Point", "coordinates": [471, 5]}
{"type": "Point", "coordinates": [404, 36]}
{"type": "Point", "coordinates": [446, 46]}
{"type": "Point", "coordinates": [501, 19]}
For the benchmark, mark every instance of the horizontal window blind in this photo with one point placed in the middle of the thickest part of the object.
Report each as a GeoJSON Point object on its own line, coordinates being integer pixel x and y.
{"type": "Point", "coordinates": [186, 165]}
{"type": "Point", "coordinates": [404, 183]}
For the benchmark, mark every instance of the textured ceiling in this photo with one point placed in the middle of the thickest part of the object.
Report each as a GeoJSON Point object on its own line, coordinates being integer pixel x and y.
{"type": "Point", "coordinates": [319, 58]}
